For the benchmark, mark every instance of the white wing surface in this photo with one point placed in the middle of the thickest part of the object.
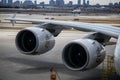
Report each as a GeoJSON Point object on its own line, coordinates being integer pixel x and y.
{"type": "Point", "coordinates": [101, 28]}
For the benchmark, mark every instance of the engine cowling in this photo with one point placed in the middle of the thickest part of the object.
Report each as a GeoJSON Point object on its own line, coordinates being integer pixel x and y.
{"type": "Point", "coordinates": [34, 40]}
{"type": "Point", "coordinates": [83, 54]}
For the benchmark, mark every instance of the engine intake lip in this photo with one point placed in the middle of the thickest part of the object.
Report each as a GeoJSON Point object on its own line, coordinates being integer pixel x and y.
{"type": "Point", "coordinates": [67, 62]}
{"type": "Point", "coordinates": [29, 43]}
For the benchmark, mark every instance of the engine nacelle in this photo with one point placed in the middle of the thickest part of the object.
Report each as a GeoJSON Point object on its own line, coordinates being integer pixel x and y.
{"type": "Point", "coordinates": [34, 40]}
{"type": "Point", "coordinates": [83, 54]}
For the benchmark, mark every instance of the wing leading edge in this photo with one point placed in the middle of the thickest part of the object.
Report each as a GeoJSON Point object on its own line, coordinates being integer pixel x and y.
{"type": "Point", "coordinates": [100, 28]}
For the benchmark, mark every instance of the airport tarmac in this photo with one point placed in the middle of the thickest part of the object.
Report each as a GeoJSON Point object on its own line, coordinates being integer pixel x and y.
{"type": "Point", "coordinates": [17, 66]}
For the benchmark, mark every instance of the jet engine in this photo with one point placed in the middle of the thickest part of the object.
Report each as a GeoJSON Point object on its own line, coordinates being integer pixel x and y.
{"type": "Point", "coordinates": [83, 54]}
{"type": "Point", "coordinates": [34, 40]}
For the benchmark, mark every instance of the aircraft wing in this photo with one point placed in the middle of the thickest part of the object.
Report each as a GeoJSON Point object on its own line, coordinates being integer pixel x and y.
{"type": "Point", "coordinates": [82, 54]}
{"type": "Point", "coordinates": [100, 28]}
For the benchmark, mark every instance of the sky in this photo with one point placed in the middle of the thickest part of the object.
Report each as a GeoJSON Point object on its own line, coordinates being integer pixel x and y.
{"type": "Point", "coordinates": [75, 1]}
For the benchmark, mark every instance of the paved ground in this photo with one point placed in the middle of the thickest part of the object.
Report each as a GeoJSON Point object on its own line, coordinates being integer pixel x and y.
{"type": "Point", "coordinates": [17, 66]}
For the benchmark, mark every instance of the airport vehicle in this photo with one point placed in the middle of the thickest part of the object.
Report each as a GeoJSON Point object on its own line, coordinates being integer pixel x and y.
{"type": "Point", "coordinates": [76, 11]}
{"type": "Point", "coordinates": [82, 54]}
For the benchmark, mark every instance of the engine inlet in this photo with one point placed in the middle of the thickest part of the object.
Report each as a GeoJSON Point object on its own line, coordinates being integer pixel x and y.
{"type": "Point", "coordinates": [74, 55]}
{"type": "Point", "coordinates": [26, 40]}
